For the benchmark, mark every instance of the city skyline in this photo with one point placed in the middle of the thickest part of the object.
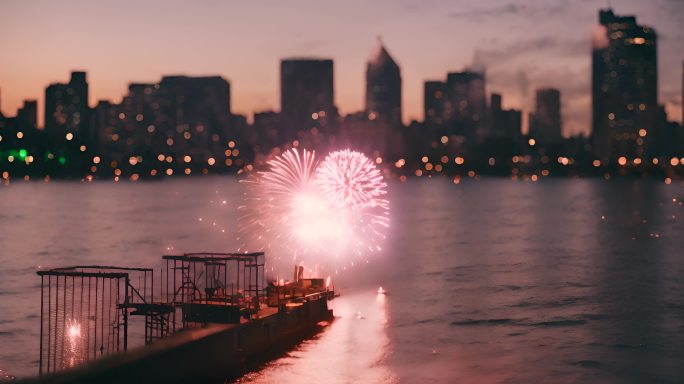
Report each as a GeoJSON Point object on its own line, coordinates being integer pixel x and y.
{"type": "Point", "coordinates": [565, 60]}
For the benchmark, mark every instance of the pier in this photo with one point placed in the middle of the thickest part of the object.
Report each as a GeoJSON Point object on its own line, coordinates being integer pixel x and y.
{"type": "Point", "coordinates": [207, 319]}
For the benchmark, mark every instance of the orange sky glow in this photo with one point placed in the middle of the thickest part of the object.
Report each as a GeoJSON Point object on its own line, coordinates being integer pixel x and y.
{"type": "Point", "coordinates": [521, 44]}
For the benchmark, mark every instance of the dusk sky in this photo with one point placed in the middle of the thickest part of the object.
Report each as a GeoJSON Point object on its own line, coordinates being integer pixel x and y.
{"type": "Point", "coordinates": [522, 44]}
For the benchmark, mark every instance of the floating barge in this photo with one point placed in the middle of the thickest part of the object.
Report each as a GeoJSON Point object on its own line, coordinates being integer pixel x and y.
{"type": "Point", "coordinates": [210, 318]}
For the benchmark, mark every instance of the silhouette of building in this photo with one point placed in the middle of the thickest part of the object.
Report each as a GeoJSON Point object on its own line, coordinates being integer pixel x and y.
{"type": "Point", "coordinates": [434, 102]}
{"type": "Point", "coordinates": [203, 101]}
{"type": "Point", "coordinates": [27, 115]}
{"type": "Point", "coordinates": [459, 105]}
{"type": "Point", "coordinates": [66, 106]}
{"type": "Point", "coordinates": [505, 124]}
{"type": "Point", "coordinates": [467, 103]}
{"type": "Point", "coordinates": [545, 122]}
{"type": "Point", "coordinates": [306, 95]}
{"type": "Point", "coordinates": [182, 122]}
{"type": "Point", "coordinates": [383, 87]}
{"type": "Point", "coordinates": [624, 86]}
{"type": "Point", "coordinates": [266, 124]}
{"type": "Point", "coordinates": [668, 138]}
{"type": "Point", "coordinates": [104, 120]}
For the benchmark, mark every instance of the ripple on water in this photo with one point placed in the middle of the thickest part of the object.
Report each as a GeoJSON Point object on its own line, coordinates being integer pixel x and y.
{"type": "Point", "coordinates": [468, 322]}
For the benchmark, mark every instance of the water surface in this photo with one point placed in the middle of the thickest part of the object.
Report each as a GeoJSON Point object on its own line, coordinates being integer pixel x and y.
{"type": "Point", "coordinates": [489, 281]}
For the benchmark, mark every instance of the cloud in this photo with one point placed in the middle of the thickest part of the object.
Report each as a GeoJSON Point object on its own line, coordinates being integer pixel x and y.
{"type": "Point", "coordinates": [515, 9]}
{"type": "Point", "coordinates": [545, 45]}
{"type": "Point", "coordinates": [480, 13]}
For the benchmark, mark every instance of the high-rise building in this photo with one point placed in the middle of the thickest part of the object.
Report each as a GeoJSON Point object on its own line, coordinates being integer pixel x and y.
{"type": "Point", "coordinates": [435, 98]}
{"type": "Point", "coordinates": [504, 123]}
{"type": "Point", "coordinates": [66, 106]}
{"type": "Point", "coordinates": [467, 92]}
{"type": "Point", "coordinates": [105, 122]}
{"type": "Point", "coordinates": [458, 105]}
{"type": "Point", "coordinates": [545, 122]}
{"type": "Point", "coordinates": [27, 115]}
{"type": "Point", "coordinates": [624, 86]}
{"type": "Point", "coordinates": [182, 120]}
{"type": "Point", "coordinates": [468, 103]}
{"type": "Point", "coordinates": [306, 95]}
{"type": "Point", "coordinates": [383, 87]}
{"type": "Point", "coordinates": [204, 101]}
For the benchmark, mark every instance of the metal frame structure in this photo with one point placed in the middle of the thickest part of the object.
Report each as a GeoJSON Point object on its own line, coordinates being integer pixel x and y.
{"type": "Point", "coordinates": [84, 310]}
{"type": "Point", "coordinates": [227, 279]}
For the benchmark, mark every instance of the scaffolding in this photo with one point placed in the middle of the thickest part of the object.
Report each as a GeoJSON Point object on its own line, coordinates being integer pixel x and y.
{"type": "Point", "coordinates": [84, 313]}
{"type": "Point", "coordinates": [214, 287]}
{"type": "Point", "coordinates": [85, 309]}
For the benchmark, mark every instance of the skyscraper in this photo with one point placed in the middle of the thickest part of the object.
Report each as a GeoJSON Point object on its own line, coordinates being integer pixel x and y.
{"type": "Point", "coordinates": [66, 106]}
{"type": "Point", "coordinates": [545, 122]}
{"type": "Point", "coordinates": [306, 95]}
{"type": "Point", "coordinates": [467, 93]}
{"type": "Point", "coordinates": [434, 100]}
{"type": "Point", "coordinates": [204, 101]}
{"type": "Point", "coordinates": [624, 86]}
{"type": "Point", "coordinates": [504, 123]}
{"type": "Point", "coordinates": [27, 115]}
{"type": "Point", "coordinates": [459, 105]}
{"type": "Point", "coordinates": [383, 87]}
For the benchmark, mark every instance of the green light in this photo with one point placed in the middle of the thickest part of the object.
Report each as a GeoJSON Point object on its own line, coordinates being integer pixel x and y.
{"type": "Point", "coordinates": [62, 160]}
{"type": "Point", "coordinates": [22, 154]}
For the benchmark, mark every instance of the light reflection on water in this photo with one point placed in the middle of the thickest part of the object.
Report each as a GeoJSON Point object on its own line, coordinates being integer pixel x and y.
{"type": "Point", "coordinates": [354, 348]}
{"type": "Point", "coordinates": [489, 281]}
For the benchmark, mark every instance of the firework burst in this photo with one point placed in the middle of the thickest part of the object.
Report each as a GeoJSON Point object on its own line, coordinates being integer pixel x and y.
{"type": "Point", "coordinates": [350, 181]}
{"type": "Point", "coordinates": [323, 215]}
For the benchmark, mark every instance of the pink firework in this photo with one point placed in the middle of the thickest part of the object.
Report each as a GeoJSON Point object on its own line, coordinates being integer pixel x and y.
{"type": "Point", "coordinates": [270, 197]}
{"type": "Point", "coordinates": [322, 215]}
{"type": "Point", "coordinates": [349, 180]}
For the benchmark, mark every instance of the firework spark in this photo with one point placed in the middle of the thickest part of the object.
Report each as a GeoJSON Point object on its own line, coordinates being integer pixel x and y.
{"type": "Point", "coordinates": [324, 215]}
{"type": "Point", "coordinates": [350, 181]}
